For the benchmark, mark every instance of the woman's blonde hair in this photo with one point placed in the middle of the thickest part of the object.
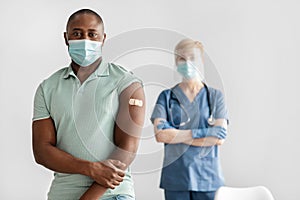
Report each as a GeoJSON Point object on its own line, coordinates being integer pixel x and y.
{"type": "Point", "coordinates": [188, 43]}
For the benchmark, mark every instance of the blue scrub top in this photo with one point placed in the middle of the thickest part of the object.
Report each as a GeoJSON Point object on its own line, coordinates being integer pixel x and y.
{"type": "Point", "coordinates": [190, 168]}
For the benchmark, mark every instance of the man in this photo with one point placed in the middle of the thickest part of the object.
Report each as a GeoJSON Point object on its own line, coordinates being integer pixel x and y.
{"type": "Point", "coordinates": [88, 118]}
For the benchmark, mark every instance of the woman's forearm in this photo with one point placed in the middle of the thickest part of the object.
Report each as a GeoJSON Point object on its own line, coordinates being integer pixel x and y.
{"type": "Point", "coordinates": [173, 136]}
{"type": "Point", "coordinates": [205, 142]}
{"type": "Point", "coordinates": [165, 133]}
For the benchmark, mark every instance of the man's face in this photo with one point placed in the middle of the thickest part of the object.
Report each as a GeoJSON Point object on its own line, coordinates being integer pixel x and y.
{"type": "Point", "coordinates": [85, 26]}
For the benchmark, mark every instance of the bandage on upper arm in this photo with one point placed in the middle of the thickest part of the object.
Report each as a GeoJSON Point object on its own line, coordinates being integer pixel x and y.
{"type": "Point", "coordinates": [135, 102]}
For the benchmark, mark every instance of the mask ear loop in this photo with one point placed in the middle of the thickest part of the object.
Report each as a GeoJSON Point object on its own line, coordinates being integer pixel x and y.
{"type": "Point", "coordinates": [199, 74]}
{"type": "Point", "coordinates": [198, 62]}
{"type": "Point", "coordinates": [67, 38]}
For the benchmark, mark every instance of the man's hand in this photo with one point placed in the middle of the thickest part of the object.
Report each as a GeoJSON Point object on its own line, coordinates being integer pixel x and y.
{"type": "Point", "coordinates": [108, 173]}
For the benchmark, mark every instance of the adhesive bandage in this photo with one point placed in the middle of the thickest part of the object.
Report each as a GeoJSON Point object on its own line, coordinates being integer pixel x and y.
{"type": "Point", "coordinates": [135, 102]}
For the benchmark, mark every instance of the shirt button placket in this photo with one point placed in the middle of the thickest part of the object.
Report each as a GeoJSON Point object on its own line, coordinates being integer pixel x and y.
{"type": "Point", "coordinates": [79, 87]}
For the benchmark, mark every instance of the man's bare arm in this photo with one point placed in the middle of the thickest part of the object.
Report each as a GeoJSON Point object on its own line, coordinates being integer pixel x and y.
{"type": "Point", "coordinates": [47, 154]}
{"type": "Point", "coordinates": [128, 128]}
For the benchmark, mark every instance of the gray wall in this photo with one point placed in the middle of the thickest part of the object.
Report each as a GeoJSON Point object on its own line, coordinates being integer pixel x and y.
{"type": "Point", "coordinates": [253, 47]}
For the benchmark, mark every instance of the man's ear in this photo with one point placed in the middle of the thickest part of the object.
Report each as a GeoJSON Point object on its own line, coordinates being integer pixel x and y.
{"type": "Point", "coordinates": [104, 37]}
{"type": "Point", "coordinates": [66, 38]}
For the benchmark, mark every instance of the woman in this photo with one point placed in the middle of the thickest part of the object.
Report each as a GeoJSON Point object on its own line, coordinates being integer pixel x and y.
{"type": "Point", "coordinates": [191, 120]}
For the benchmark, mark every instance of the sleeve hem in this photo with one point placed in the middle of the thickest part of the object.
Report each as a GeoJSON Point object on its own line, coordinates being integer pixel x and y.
{"type": "Point", "coordinates": [126, 82]}
{"type": "Point", "coordinates": [40, 118]}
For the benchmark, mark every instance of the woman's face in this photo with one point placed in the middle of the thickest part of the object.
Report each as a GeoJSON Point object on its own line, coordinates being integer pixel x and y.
{"type": "Point", "coordinates": [190, 62]}
{"type": "Point", "coordinates": [193, 55]}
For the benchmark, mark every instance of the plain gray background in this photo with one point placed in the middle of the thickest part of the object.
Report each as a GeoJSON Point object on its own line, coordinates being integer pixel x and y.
{"type": "Point", "coordinates": [254, 46]}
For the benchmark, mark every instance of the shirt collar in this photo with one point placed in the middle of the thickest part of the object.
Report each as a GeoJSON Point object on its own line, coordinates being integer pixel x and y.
{"type": "Point", "coordinates": [101, 71]}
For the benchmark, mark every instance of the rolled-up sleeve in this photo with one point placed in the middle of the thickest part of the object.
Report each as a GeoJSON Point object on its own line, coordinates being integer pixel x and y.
{"type": "Point", "coordinates": [40, 110]}
{"type": "Point", "coordinates": [126, 81]}
{"type": "Point", "coordinates": [221, 111]}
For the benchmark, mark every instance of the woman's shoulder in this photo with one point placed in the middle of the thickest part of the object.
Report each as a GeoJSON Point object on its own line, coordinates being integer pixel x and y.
{"type": "Point", "coordinates": [167, 92]}
{"type": "Point", "coordinates": [164, 93]}
{"type": "Point", "coordinates": [215, 91]}
{"type": "Point", "coordinates": [216, 95]}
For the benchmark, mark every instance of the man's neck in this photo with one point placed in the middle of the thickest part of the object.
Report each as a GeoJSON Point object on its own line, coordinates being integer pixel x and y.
{"type": "Point", "coordinates": [83, 73]}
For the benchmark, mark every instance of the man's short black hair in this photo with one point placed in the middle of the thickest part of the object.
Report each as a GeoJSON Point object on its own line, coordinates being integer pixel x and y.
{"type": "Point", "coordinates": [85, 11]}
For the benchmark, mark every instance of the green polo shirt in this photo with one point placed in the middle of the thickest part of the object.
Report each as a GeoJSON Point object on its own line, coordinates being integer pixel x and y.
{"type": "Point", "coordinates": [84, 117]}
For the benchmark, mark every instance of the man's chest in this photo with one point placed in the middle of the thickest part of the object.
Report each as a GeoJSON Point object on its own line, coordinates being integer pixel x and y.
{"type": "Point", "coordinates": [71, 101]}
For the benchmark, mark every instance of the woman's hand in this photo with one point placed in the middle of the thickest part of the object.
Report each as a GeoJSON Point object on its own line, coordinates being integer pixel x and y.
{"type": "Point", "coordinates": [220, 142]}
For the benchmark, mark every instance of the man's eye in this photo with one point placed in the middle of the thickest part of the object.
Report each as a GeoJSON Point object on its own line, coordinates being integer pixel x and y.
{"type": "Point", "coordinates": [76, 34]}
{"type": "Point", "coordinates": [93, 35]}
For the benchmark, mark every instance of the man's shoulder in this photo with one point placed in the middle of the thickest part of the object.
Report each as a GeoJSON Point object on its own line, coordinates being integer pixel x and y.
{"type": "Point", "coordinates": [54, 77]}
{"type": "Point", "coordinates": [118, 70]}
{"type": "Point", "coordinates": [121, 77]}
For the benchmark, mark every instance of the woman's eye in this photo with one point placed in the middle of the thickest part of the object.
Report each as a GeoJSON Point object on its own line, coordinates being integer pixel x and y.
{"type": "Point", "coordinates": [192, 58]}
{"type": "Point", "coordinates": [181, 60]}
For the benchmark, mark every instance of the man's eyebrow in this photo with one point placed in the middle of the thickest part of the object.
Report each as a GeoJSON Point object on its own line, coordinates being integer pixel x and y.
{"type": "Point", "coordinates": [91, 29]}
{"type": "Point", "coordinates": [79, 29]}
{"type": "Point", "coordinates": [76, 29]}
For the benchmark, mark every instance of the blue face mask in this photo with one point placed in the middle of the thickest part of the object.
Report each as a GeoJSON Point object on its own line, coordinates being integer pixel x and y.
{"type": "Point", "coordinates": [85, 52]}
{"type": "Point", "coordinates": [187, 70]}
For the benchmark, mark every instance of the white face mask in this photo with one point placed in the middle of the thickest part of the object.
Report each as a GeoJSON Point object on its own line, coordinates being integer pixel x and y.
{"type": "Point", "coordinates": [188, 70]}
{"type": "Point", "coordinates": [190, 63]}
{"type": "Point", "coordinates": [85, 52]}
